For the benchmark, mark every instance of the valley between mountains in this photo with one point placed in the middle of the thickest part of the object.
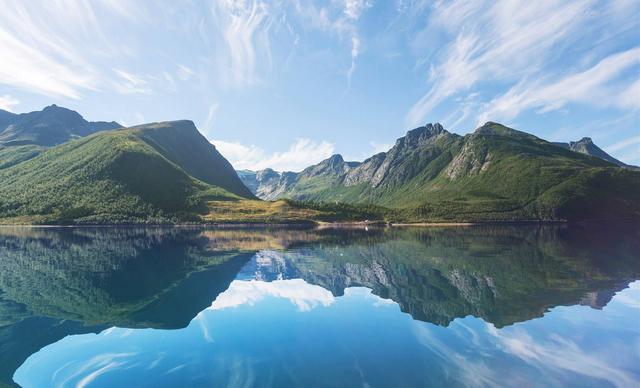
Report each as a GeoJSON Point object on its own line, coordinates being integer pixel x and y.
{"type": "Point", "coordinates": [57, 168]}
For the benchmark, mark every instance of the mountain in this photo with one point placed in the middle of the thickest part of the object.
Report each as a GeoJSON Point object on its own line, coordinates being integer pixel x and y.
{"type": "Point", "coordinates": [587, 147]}
{"type": "Point", "coordinates": [503, 274]}
{"type": "Point", "coordinates": [159, 172]}
{"type": "Point", "coordinates": [49, 127]}
{"type": "Point", "coordinates": [267, 184]}
{"type": "Point", "coordinates": [494, 173]}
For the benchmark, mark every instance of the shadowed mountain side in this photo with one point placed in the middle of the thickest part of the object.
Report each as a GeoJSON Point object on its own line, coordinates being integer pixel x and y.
{"type": "Point", "coordinates": [181, 143]}
{"type": "Point", "coordinates": [139, 175]}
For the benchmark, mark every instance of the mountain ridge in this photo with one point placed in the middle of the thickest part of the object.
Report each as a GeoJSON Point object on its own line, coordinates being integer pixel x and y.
{"type": "Point", "coordinates": [587, 146]}
{"type": "Point", "coordinates": [493, 173]}
{"type": "Point", "coordinates": [128, 175]}
{"type": "Point", "coordinates": [167, 172]}
{"type": "Point", "coordinates": [51, 126]}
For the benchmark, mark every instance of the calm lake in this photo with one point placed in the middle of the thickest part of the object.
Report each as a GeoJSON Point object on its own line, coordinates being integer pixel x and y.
{"type": "Point", "coordinates": [390, 307]}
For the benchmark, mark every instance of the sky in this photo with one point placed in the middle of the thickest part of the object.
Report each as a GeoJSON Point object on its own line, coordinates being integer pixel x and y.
{"type": "Point", "coordinates": [287, 83]}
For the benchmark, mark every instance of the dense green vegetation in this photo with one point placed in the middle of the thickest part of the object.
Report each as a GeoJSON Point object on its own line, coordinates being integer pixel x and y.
{"type": "Point", "coordinates": [494, 174]}
{"type": "Point", "coordinates": [12, 155]}
{"type": "Point", "coordinates": [169, 173]}
{"type": "Point", "coordinates": [501, 274]}
{"type": "Point", "coordinates": [113, 177]}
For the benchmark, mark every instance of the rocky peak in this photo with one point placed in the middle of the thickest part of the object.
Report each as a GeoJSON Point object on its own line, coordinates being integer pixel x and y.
{"type": "Point", "coordinates": [588, 147]}
{"type": "Point", "coordinates": [421, 135]}
{"type": "Point", "coordinates": [266, 174]}
{"type": "Point", "coordinates": [334, 165]}
{"type": "Point", "coordinates": [496, 129]}
{"type": "Point", "coordinates": [68, 116]}
{"type": "Point", "coordinates": [584, 142]}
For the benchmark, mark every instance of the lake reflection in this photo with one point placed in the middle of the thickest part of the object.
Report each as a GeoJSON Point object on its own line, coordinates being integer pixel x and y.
{"type": "Point", "coordinates": [381, 307]}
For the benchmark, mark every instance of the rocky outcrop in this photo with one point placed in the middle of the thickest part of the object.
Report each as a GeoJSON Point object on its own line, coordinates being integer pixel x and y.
{"type": "Point", "coordinates": [587, 146]}
{"type": "Point", "coordinates": [471, 160]}
{"type": "Point", "coordinates": [268, 184]}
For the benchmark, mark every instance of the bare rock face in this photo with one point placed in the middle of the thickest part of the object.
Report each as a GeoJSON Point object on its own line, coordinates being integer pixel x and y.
{"type": "Point", "coordinates": [402, 162]}
{"type": "Point", "coordinates": [587, 146]}
{"type": "Point", "coordinates": [470, 161]}
{"type": "Point", "coordinates": [334, 166]}
{"type": "Point", "coordinates": [364, 172]}
{"type": "Point", "coordinates": [418, 138]}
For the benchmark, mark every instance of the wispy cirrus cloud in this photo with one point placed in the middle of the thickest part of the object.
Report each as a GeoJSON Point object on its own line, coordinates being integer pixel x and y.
{"type": "Point", "coordinates": [244, 27]}
{"type": "Point", "coordinates": [129, 83]}
{"type": "Point", "coordinates": [302, 153]}
{"type": "Point", "coordinates": [525, 47]}
{"type": "Point", "coordinates": [598, 85]}
{"type": "Point", "coordinates": [623, 144]}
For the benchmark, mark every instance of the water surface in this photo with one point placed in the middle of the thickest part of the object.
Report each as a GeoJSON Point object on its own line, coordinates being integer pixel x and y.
{"type": "Point", "coordinates": [476, 306]}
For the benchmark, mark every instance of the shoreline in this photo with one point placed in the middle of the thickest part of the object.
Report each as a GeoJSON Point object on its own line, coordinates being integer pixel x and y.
{"type": "Point", "coordinates": [304, 225]}
{"type": "Point", "coordinates": [328, 225]}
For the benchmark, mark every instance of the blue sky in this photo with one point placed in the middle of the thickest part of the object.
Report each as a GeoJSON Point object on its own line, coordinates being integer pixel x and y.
{"type": "Point", "coordinates": [287, 83]}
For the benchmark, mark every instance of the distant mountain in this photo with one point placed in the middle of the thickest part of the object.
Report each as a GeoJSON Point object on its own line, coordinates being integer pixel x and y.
{"type": "Point", "coordinates": [49, 127]}
{"type": "Point", "coordinates": [267, 184]}
{"type": "Point", "coordinates": [159, 172]}
{"type": "Point", "coordinates": [495, 173]}
{"type": "Point", "coordinates": [587, 147]}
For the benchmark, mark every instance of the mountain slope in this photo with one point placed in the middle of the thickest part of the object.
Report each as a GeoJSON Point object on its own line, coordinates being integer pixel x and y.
{"type": "Point", "coordinates": [587, 147]}
{"type": "Point", "coordinates": [181, 143]}
{"type": "Point", "coordinates": [495, 173]}
{"type": "Point", "coordinates": [49, 127]}
{"type": "Point", "coordinates": [128, 175]}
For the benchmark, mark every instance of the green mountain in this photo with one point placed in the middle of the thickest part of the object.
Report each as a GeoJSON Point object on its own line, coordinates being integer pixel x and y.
{"type": "Point", "coordinates": [51, 126]}
{"type": "Point", "coordinates": [502, 274]}
{"type": "Point", "coordinates": [160, 172]}
{"type": "Point", "coordinates": [494, 173]}
{"type": "Point", "coordinates": [587, 147]}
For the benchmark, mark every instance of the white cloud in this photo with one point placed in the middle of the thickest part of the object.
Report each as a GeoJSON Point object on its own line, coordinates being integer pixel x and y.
{"type": "Point", "coordinates": [26, 65]}
{"type": "Point", "coordinates": [244, 27]}
{"type": "Point", "coordinates": [303, 295]}
{"type": "Point", "coordinates": [7, 102]}
{"type": "Point", "coordinates": [634, 140]}
{"type": "Point", "coordinates": [562, 354]}
{"type": "Point", "coordinates": [354, 8]}
{"type": "Point", "coordinates": [592, 86]}
{"type": "Point", "coordinates": [59, 48]}
{"type": "Point", "coordinates": [341, 20]}
{"type": "Point", "coordinates": [355, 51]}
{"type": "Point", "coordinates": [211, 116]}
{"type": "Point", "coordinates": [302, 153]}
{"type": "Point", "coordinates": [630, 98]}
{"type": "Point", "coordinates": [130, 83]}
{"type": "Point", "coordinates": [184, 73]}
{"type": "Point", "coordinates": [511, 42]}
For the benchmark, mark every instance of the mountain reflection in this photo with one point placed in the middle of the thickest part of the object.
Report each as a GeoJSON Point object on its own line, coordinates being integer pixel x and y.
{"type": "Point", "coordinates": [60, 281]}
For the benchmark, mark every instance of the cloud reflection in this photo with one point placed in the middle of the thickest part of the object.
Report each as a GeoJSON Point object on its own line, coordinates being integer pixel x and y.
{"type": "Point", "coordinates": [303, 295]}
